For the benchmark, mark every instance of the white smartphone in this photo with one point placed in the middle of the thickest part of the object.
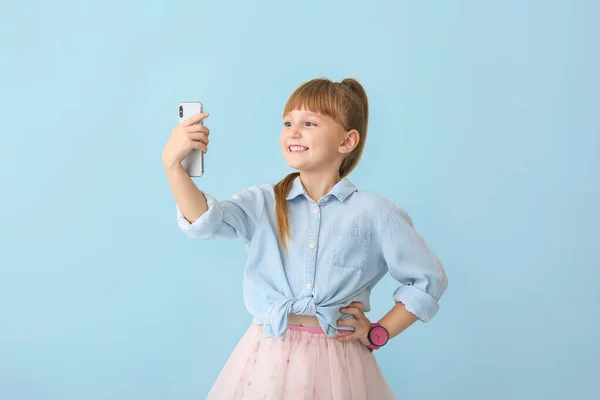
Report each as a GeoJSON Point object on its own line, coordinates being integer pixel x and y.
{"type": "Point", "coordinates": [193, 163]}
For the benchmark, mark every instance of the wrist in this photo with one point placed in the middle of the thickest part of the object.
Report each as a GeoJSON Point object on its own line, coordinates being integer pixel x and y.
{"type": "Point", "coordinates": [173, 167]}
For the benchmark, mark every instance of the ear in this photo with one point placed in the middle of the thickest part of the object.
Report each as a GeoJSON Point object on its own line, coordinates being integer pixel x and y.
{"type": "Point", "coordinates": [351, 140]}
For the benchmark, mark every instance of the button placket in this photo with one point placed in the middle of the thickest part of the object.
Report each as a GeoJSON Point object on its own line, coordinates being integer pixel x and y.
{"type": "Point", "coordinates": [313, 237]}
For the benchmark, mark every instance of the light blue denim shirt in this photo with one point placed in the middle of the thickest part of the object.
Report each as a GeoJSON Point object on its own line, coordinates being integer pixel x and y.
{"type": "Point", "coordinates": [340, 247]}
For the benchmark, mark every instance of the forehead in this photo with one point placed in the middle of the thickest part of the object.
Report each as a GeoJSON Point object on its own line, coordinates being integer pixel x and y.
{"type": "Point", "coordinates": [303, 112]}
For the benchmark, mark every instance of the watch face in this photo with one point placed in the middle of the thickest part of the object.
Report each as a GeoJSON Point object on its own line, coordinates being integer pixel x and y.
{"type": "Point", "coordinates": [379, 336]}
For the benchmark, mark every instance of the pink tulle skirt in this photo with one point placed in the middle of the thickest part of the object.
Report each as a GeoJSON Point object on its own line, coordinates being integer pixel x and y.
{"type": "Point", "coordinates": [303, 364]}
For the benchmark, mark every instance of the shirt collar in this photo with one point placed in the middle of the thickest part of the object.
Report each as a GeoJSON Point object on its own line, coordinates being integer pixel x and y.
{"type": "Point", "coordinates": [340, 190]}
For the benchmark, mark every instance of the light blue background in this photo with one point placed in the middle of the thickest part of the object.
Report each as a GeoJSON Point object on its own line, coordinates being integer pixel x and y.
{"type": "Point", "coordinates": [484, 127]}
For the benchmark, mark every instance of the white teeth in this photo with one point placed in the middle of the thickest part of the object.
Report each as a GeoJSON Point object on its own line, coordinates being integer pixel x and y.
{"type": "Point", "coordinates": [298, 148]}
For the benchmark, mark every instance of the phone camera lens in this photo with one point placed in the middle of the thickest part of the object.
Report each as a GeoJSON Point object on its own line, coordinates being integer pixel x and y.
{"type": "Point", "coordinates": [180, 111]}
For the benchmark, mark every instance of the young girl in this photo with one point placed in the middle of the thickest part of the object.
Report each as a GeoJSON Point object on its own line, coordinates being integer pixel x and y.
{"type": "Point", "coordinates": [316, 247]}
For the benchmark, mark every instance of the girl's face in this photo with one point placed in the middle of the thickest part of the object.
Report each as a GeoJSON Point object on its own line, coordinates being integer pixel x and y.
{"type": "Point", "coordinates": [313, 142]}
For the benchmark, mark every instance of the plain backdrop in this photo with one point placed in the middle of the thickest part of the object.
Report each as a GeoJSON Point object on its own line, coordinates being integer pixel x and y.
{"type": "Point", "coordinates": [484, 127]}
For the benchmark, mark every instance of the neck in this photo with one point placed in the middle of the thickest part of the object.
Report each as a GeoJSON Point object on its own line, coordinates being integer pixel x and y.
{"type": "Point", "coordinates": [318, 184]}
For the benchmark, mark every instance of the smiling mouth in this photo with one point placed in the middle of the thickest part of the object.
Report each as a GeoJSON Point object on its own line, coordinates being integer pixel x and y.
{"type": "Point", "coordinates": [297, 149]}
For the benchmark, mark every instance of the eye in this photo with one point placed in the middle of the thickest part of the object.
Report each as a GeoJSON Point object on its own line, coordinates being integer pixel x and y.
{"type": "Point", "coordinates": [308, 123]}
{"type": "Point", "coordinates": [287, 124]}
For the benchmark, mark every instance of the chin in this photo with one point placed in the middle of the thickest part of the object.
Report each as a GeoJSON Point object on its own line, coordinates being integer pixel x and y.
{"type": "Point", "coordinates": [295, 165]}
{"type": "Point", "coordinates": [300, 164]}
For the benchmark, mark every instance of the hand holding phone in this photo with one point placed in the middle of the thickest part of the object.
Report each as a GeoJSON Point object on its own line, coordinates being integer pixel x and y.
{"type": "Point", "coordinates": [188, 141]}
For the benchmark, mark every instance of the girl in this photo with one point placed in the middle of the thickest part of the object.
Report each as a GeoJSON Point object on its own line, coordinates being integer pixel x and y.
{"type": "Point", "coordinates": [316, 248]}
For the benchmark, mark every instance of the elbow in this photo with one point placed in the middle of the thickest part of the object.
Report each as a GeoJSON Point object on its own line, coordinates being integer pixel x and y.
{"type": "Point", "coordinates": [417, 301]}
{"type": "Point", "coordinates": [186, 227]}
{"type": "Point", "coordinates": [442, 282]}
{"type": "Point", "coordinates": [202, 226]}
{"type": "Point", "coordinates": [421, 297]}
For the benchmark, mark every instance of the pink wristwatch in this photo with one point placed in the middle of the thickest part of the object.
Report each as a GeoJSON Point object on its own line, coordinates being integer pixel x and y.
{"type": "Point", "coordinates": [378, 336]}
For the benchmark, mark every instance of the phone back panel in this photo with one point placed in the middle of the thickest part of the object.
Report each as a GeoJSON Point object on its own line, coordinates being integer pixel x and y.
{"type": "Point", "coordinates": [193, 163]}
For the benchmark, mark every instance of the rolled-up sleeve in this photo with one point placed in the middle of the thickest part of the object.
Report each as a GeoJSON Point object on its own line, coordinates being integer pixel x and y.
{"type": "Point", "coordinates": [411, 262]}
{"type": "Point", "coordinates": [227, 219]}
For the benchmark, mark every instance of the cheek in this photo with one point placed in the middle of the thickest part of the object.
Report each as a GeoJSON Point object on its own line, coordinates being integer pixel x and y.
{"type": "Point", "coordinates": [329, 143]}
{"type": "Point", "coordinates": [282, 139]}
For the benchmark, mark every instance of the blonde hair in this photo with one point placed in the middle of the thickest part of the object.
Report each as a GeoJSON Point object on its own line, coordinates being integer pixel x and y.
{"type": "Point", "coordinates": [346, 102]}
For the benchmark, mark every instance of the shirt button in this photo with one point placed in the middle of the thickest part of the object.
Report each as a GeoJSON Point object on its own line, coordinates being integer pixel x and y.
{"type": "Point", "coordinates": [316, 210]}
{"type": "Point", "coordinates": [308, 286]}
{"type": "Point", "coordinates": [312, 245]}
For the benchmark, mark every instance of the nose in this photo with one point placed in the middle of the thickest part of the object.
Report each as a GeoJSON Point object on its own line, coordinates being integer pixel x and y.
{"type": "Point", "coordinates": [295, 134]}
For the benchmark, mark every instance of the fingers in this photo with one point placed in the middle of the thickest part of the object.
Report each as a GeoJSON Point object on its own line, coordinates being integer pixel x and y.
{"type": "Point", "coordinates": [199, 146]}
{"type": "Point", "coordinates": [358, 305]}
{"type": "Point", "coordinates": [360, 322]}
{"type": "Point", "coordinates": [199, 136]}
{"type": "Point", "coordinates": [353, 308]}
{"type": "Point", "coordinates": [347, 322]}
{"type": "Point", "coordinates": [198, 128]}
{"type": "Point", "coordinates": [350, 310]}
{"type": "Point", "coordinates": [195, 119]}
{"type": "Point", "coordinates": [347, 337]}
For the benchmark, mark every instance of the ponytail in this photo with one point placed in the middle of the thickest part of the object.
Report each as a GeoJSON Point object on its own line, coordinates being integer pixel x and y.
{"type": "Point", "coordinates": [359, 121]}
{"type": "Point", "coordinates": [281, 207]}
{"type": "Point", "coordinates": [359, 90]}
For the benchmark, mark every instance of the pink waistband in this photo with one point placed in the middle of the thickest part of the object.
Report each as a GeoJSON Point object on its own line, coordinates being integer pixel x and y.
{"type": "Point", "coordinates": [311, 329]}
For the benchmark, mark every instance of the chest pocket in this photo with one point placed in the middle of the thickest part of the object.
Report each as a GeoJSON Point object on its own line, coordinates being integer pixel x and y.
{"type": "Point", "coordinates": [351, 247]}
